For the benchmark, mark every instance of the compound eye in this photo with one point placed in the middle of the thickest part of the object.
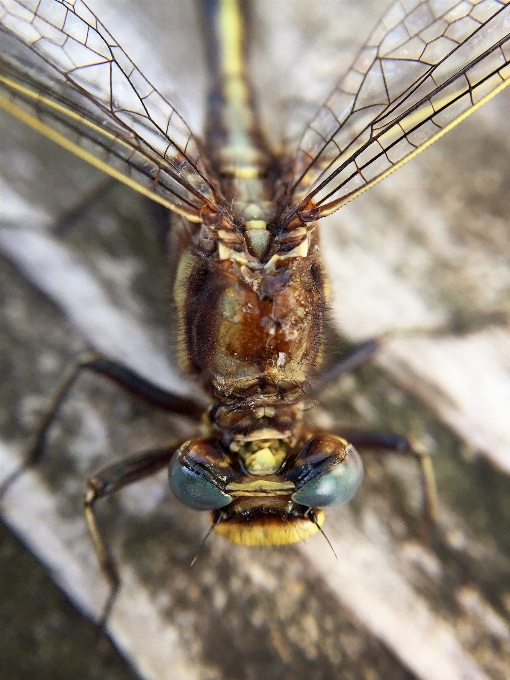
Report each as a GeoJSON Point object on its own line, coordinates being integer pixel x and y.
{"type": "Point", "coordinates": [198, 473]}
{"type": "Point", "coordinates": [328, 471]}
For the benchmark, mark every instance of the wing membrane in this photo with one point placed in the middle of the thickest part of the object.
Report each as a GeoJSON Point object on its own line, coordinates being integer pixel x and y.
{"type": "Point", "coordinates": [64, 74]}
{"type": "Point", "coordinates": [426, 66]}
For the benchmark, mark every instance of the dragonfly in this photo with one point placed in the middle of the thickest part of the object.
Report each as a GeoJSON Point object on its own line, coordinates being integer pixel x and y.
{"type": "Point", "coordinates": [250, 288]}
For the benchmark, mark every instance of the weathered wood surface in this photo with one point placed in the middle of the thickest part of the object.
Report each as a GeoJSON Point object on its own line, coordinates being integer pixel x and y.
{"type": "Point", "coordinates": [430, 245]}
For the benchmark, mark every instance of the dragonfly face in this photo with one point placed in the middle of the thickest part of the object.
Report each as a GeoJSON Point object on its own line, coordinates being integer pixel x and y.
{"type": "Point", "coordinates": [250, 289]}
{"type": "Point", "coordinates": [260, 492]}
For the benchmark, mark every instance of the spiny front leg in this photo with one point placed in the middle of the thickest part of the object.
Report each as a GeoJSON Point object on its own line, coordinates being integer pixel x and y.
{"type": "Point", "coordinates": [109, 481]}
{"type": "Point", "coordinates": [127, 379]}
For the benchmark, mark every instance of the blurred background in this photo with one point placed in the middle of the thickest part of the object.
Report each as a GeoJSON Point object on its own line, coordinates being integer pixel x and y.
{"type": "Point", "coordinates": [429, 245]}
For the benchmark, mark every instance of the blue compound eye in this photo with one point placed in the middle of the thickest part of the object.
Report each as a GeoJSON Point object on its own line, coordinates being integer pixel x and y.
{"type": "Point", "coordinates": [328, 471]}
{"type": "Point", "coordinates": [198, 473]}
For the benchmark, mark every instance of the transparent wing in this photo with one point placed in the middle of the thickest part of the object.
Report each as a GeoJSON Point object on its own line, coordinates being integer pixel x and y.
{"type": "Point", "coordinates": [64, 74]}
{"type": "Point", "coordinates": [426, 66]}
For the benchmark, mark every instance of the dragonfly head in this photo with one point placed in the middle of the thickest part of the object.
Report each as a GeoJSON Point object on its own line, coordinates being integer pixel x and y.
{"type": "Point", "coordinates": [264, 493]}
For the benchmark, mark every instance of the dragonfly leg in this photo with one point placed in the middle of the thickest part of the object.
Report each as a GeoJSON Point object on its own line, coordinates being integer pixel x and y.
{"type": "Point", "coordinates": [350, 360]}
{"type": "Point", "coordinates": [161, 216]}
{"type": "Point", "coordinates": [106, 482]}
{"type": "Point", "coordinates": [122, 376]}
{"type": "Point", "coordinates": [362, 352]}
{"type": "Point", "coordinates": [162, 220]}
{"type": "Point", "coordinates": [67, 221]}
{"type": "Point", "coordinates": [398, 444]}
